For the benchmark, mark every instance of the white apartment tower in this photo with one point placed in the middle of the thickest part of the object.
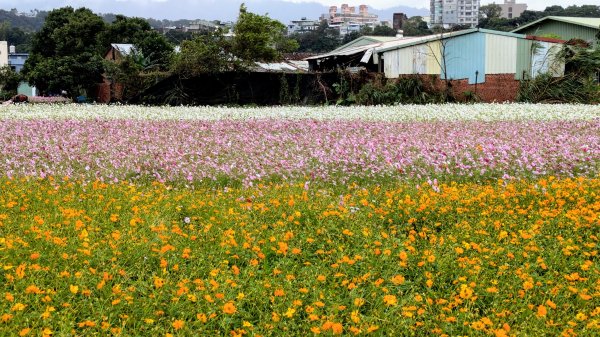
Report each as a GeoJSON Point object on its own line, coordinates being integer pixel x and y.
{"type": "Point", "coordinates": [454, 12]}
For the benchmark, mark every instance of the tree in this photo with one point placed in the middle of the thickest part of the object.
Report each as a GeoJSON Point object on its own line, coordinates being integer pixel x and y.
{"type": "Point", "coordinates": [9, 82]}
{"type": "Point", "coordinates": [260, 38]}
{"type": "Point", "coordinates": [15, 36]}
{"type": "Point", "coordinates": [323, 39]}
{"type": "Point", "coordinates": [154, 48]}
{"type": "Point", "coordinates": [415, 26]}
{"type": "Point", "coordinates": [207, 53]}
{"type": "Point", "coordinates": [382, 30]}
{"type": "Point", "coordinates": [490, 11]}
{"type": "Point", "coordinates": [65, 53]}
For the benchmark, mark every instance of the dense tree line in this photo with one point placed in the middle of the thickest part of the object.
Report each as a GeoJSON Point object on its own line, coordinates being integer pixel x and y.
{"type": "Point", "coordinates": [67, 52]}
{"type": "Point", "coordinates": [490, 15]}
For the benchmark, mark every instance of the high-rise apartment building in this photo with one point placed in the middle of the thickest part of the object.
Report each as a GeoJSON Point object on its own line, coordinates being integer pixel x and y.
{"type": "Point", "coordinates": [454, 12]}
{"type": "Point", "coordinates": [511, 9]}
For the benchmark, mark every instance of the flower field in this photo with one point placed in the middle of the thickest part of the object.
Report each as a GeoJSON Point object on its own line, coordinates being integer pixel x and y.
{"type": "Point", "coordinates": [472, 220]}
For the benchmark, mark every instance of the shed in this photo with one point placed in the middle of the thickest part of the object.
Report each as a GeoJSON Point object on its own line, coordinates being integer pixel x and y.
{"type": "Point", "coordinates": [118, 51]}
{"type": "Point", "coordinates": [565, 27]}
{"type": "Point", "coordinates": [470, 54]}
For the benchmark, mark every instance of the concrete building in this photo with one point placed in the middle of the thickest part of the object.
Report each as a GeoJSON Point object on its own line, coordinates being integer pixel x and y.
{"type": "Point", "coordinates": [302, 26]}
{"type": "Point", "coordinates": [349, 14]}
{"type": "Point", "coordinates": [16, 60]}
{"type": "Point", "coordinates": [511, 9]}
{"type": "Point", "coordinates": [9, 57]}
{"type": "Point", "coordinates": [3, 53]}
{"type": "Point", "coordinates": [450, 13]}
{"type": "Point", "coordinates": [347, 20]}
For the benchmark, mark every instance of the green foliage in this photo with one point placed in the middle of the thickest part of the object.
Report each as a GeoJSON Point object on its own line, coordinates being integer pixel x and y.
{"type": "Point", "coordinates": [27, 23]}
{"type": "Point", "coordinates": [578, 85]}
{"type": "Point", "coordinates": [321, 40]}
{"type": "Point", "coordinates": [569, 89]}
{"type": "Point", "coordinates": [415, 26]}
{"type": "Point", "coordinates": [405, 90]}
{"type": "Point", "coordinates": [154, 47]}
{"type": "Point", "coordinates": [15, 36]}
{"type": "Point", "coordinates": [494, 21]}
{"type": "Point", "coordinates": [9, 82]}
{"type": "Point", "coordinates": [76, 75]}
{"type": "Point", "coordinates": [65, 52]}
{"type": "Point", "coordinates": [490, 11]}
{"type": "Point", "coordinates": [208, 53]}
{"type": "Point", "coordinates": [382, 30]}
{"type": "Point", "coordinates": [260, 38]}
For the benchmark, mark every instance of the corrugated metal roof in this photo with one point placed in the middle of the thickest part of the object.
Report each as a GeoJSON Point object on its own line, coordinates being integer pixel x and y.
{"type": "Point", "coordinates": [586, 22]}
{"type": "Point", "coordinates": [346, 52]}
{"type": "Point", "coordinates": [396, 43]}
{"type": "Point", "coordinates": [368, 39]}
{"type": "Point", "coordinates": [423, 39]}
{"type": "Point", "coordinates": [123, 48]}
{"type": "Point", "coordinates": [287, 66]}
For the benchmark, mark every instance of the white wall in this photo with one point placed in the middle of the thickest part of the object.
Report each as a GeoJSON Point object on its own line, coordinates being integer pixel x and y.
{"type": "Point", "coordinates": [3, 53]}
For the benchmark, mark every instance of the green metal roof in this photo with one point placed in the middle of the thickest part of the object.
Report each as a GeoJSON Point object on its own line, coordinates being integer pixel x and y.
{"type": "Point", "coordinates": [368, 39]}
{"type": "Point", "coordinates": [586, 22]}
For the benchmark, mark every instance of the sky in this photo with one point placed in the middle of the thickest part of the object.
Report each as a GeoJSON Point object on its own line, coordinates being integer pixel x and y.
{"type": "Point", "coordinates": [227, 9]}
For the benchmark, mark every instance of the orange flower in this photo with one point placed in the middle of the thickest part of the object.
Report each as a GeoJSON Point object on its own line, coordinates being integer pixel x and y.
{"type": "Point", "coordinates": [229, 308]}
{"type": "Point", "coordinates": [541, 311]}
{"type": "Point", "coordinates": [178, 324]}
{"type": "Point", "coordinates": [398, 279]}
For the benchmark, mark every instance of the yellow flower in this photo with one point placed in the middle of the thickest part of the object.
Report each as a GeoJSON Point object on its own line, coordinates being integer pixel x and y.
{"type": "Point", "coordinates": [359, 302]}
{"type": "Point", "coordinates": [73, 289]}
{"type": "Point", "coordinates": [24, 332]}
{"type": "Point", "coordinates": [158, 282]}
{"type": "Point", "coordinates": [18, 307]}
{"type": "Point", "coordinates": [390, 300]}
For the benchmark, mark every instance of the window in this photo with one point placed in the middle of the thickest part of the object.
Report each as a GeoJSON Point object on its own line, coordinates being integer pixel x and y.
{"type": "Point", "coordinates": [510, 9]}
{"type": "Point", "coordinates": [510, 15]}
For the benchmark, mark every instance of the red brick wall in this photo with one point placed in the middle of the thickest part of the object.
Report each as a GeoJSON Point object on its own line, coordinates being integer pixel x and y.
{"type": "Point", "coordinates": [497, 87]}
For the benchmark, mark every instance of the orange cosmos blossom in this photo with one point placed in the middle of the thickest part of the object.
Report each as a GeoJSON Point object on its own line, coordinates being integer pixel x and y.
{"type": "Point", "coordinates": [178, 324]}
{"type": "Point", "coordinates": [229, 308]}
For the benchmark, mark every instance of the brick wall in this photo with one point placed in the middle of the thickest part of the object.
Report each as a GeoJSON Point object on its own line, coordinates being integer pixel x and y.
{"type": "Point", "coordinates": [497, 87]}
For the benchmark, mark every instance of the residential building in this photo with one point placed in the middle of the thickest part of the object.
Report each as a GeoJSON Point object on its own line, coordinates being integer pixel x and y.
{"type": "Point", "coordinates": [450, 13]}
{"type": "Point", "coordinates": [349, 14]}
{"type": "Point", "coordinates": [201, 26]}
{"type": "Point", "coordinates": [302, 26]}
{"type": "Point", "coordinates": [3, 53]}
{"type": "Point", "coordinates": [9, 57]}
{"type": "Point", "coordinates": [564, 27]}
{"type": "Point", "coordinates": [16, 60]}
{"type": "Point", "coordinates": [511, 9]}
{"type": "Point", "coordinates": [347, 20]}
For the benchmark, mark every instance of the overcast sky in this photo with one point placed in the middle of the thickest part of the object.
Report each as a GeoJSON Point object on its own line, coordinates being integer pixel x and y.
{"type": "Point", "coordinates": [211, 9]}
